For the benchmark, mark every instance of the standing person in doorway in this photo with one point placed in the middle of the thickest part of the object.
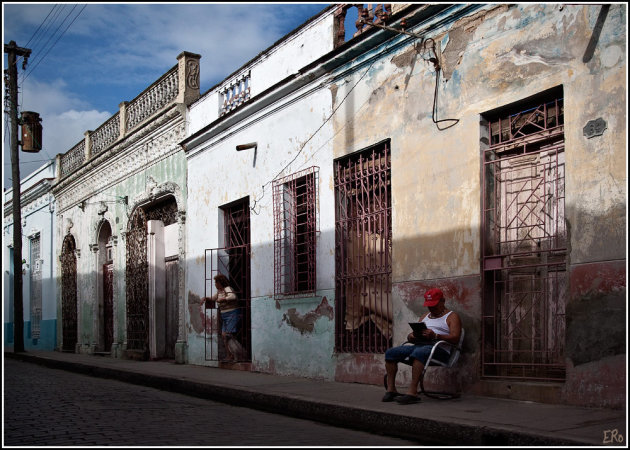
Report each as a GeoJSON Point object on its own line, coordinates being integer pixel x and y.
{"type": "Point", "coordinates": [441, 324]}
{"type": "Point", "coordinates": [230, 314]}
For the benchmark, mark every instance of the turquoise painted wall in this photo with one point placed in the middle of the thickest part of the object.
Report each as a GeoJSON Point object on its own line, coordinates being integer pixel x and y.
{"type": "Point", "coordinates": [294, 336]}
{"type": "Point", "coordinates": [46, 341]}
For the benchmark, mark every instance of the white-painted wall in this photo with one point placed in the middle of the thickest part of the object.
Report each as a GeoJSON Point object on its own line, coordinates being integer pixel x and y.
{"type": "Point", "coordinates": [38, 217]}
{"type": "Point", "coordinates": [287, 58]}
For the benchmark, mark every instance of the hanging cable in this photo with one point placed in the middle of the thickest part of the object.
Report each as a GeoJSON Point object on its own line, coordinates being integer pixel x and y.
{"type": "Point", "coordinates": [64, 32]}
{"type": "Point", "coordinates": [438, 69]}
{"type": "Point", "coordinates": [311, 137]}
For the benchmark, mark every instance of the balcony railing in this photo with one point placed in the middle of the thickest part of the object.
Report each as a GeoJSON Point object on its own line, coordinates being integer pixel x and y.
{"type": "Point", "coordinates": [72, 160]}
{"type": "Point", "coordinates": [235, 93]}
{"type": "Point", "coordinates": [106, 134]}
{"type": "Point", "coordinates": [169, 88]}
{"type": "Point", "coordinates": [153, 99]}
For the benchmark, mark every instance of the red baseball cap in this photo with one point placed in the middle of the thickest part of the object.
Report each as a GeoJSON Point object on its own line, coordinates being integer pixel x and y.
{"type": "Point", "coordinates": [433, 296]}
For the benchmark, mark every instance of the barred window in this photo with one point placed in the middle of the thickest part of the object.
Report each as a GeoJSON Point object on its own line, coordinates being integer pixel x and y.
{"type": "Point", "coordinates": [36, 287]}
{"type": "Point", "coordinates": [295, 228]}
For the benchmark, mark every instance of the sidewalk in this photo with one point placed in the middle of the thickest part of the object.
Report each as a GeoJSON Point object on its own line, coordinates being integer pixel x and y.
{"type": "Point", "coordinates": [469, 420]}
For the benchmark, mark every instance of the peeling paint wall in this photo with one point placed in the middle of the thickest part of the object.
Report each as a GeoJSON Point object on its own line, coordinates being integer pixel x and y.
{"type": "Point", "coordinates": [134, 174]}
{"type": "Point", "coordinates": [490, 56]}
{"type": "Point", "coordinates": [217, 175]}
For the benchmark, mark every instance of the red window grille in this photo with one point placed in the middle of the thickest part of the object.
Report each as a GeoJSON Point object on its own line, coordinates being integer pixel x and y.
{"type": "Point", "coordinates": [525, 242]}
{"type": "Point", "coordinates": [363, 243]}
{"type": "Point", "coordinates": [295, 228]}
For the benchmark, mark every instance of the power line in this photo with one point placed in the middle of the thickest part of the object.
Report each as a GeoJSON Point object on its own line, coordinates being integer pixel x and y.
{"type": "Point", "coordinates": [64, 32]}
{"type": "Point", "coordinates": [40, 25]}
{"type": "Point", "coordinates": [57, 9]}
{"type": "Point", "coordinates": [313, 135]}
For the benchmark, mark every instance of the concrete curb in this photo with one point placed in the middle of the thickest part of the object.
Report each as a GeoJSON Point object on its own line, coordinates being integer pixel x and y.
{"type": "Point", "coordinates": [425, 431]}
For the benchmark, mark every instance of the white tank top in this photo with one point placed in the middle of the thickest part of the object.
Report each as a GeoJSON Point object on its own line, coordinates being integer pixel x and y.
{"type": "Point", "coordinates": [439, 326]}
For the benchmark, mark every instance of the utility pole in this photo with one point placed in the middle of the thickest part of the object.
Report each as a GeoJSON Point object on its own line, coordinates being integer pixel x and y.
{"type": "Point", "coordinates": [18, 307]}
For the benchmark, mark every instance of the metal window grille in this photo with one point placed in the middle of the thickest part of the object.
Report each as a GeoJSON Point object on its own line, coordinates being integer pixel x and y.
{"type": "Point", "coordinates": [36, 287]}
{"type": "Point", "coordinates": [295, 228]}
{"type": "Point", "coordinates": [108, 306]}
{"type": "Point", "coordinates": [233, 261]}
{"type": "Point", "coordinates": [525, 244]}
{"type": "Point", "coordinates": [363, 243]}
{"type": "Point", "coordinates": [69, 294]}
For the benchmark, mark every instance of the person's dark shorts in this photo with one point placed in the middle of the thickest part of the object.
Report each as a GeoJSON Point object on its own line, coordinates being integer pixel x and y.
{"type": "Point", "coordinates": [419, 352]}
{"type": "Point", "coordinates": [230, 321]}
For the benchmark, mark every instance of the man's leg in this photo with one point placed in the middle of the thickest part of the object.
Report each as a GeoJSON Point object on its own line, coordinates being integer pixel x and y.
{"type": "Point", "coordinates": [416, 371]}
{"type": "Point", "coordinates": [392, 368]}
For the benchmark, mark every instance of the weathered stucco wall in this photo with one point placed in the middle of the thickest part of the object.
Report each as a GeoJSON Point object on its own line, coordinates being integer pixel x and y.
{"type": "Point", "coordinates": [217, 175]}
{"type": "Point", "coordinates": [283, 60]}
{"type": "Point", "coordinates": [495, 57]}
{"type": "Point", "coordinates": [153, 160]}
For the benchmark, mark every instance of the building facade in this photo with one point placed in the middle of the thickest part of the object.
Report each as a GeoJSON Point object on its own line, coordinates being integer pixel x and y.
{"type": "Point", "coordinates": [476, 148]}
{"type": "Point", "coordinates": [121, 208]}
{"type": "Point", "coordinates": [39, 264]}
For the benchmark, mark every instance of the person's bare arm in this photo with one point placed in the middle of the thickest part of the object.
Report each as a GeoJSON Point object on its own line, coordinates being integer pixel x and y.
{"type": "Point", "coordinates": [455, 330]}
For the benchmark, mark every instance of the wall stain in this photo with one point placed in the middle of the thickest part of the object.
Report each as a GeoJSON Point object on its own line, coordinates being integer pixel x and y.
{"type": "Point", "coordinates": [197, 312]}
{"type": "Point", "coordinates": [306, 323]}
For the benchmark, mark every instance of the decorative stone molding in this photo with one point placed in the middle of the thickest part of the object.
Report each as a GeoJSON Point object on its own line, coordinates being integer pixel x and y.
{"type": "Point", "coordinates": [94, 248]}
{"type": "Point", "coordinates": [131, 160]}
{"type": "Point", "coordinates": [188, 68]}
{"type": "Point", "coordinates": [155, 191]}
{"type": "Point", "coordinates": [102, 208]}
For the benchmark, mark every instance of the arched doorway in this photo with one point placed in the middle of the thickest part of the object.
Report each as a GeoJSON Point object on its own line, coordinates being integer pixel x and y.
{"type": "Point", "coordinates": [152, 278]}
{"type": "Point", "coordinates": [69, 294]}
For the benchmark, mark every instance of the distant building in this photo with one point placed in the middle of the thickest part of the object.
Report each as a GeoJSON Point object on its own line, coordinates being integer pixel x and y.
{"type": "Point", "coordinates": [121, 205]}
{"type": "Point", "coordinates": [39, 263]}
{"type": "Point", "coordinates": [335, 181]}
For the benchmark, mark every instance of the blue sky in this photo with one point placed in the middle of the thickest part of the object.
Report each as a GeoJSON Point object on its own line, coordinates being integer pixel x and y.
{"type": "Point", "coordinates": [88, 58]}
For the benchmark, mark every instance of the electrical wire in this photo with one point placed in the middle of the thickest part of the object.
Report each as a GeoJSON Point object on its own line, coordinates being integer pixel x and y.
{"type": "Point", "coordinates": [55, 43]}
{"type": "Point", "coordinates": [35, 49]}
{"type": "Point", "coordinates": [311, 137]}
{"type": "Point", "coordinates": [40, 25]}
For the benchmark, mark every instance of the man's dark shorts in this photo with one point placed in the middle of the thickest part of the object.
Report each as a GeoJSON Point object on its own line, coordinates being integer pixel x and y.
{"type": "Point", "coordinates": [419, 352]}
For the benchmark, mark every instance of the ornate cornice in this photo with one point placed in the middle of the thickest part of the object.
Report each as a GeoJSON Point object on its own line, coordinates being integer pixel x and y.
{"type": "Point", "coordinates": [153, 143]}
{"type": "Point", "coordinates": [32, 198]}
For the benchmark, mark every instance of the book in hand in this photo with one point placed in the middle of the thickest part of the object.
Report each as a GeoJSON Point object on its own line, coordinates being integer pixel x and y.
{"type": "Point", "coordinates": [418, 328]}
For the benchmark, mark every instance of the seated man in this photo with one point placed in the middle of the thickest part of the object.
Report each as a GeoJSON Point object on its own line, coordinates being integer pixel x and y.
{"type": "Point", "coordinates": [442, 324]}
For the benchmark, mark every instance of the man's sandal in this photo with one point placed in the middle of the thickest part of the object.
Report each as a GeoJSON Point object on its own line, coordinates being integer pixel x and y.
{"type": "Point", "coordinates": [408, 399]}
{"type": "Point", "coordinates": [390, 396]}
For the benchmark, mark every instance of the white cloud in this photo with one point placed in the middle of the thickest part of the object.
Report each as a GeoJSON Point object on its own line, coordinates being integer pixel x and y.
{"type": "Point", "coordinates": [65, 119]}
{"type": "Point", "coordinates": [112, 52]}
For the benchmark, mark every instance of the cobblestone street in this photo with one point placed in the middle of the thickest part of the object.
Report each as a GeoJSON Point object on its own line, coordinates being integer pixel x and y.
{"type": "Point", "coordinates": [44, 406]}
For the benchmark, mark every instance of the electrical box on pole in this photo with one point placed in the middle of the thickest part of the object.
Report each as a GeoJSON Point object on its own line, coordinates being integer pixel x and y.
{"type": "Point", "coordinates": [31, 132]}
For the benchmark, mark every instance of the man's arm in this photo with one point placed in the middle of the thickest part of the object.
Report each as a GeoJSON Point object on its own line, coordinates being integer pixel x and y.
{"type": "Point", "coordinates": [454, 327]}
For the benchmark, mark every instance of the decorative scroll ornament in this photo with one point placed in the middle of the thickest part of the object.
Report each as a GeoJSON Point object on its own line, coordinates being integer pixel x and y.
{"type": "Point", "coordinates": [192, 78]}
